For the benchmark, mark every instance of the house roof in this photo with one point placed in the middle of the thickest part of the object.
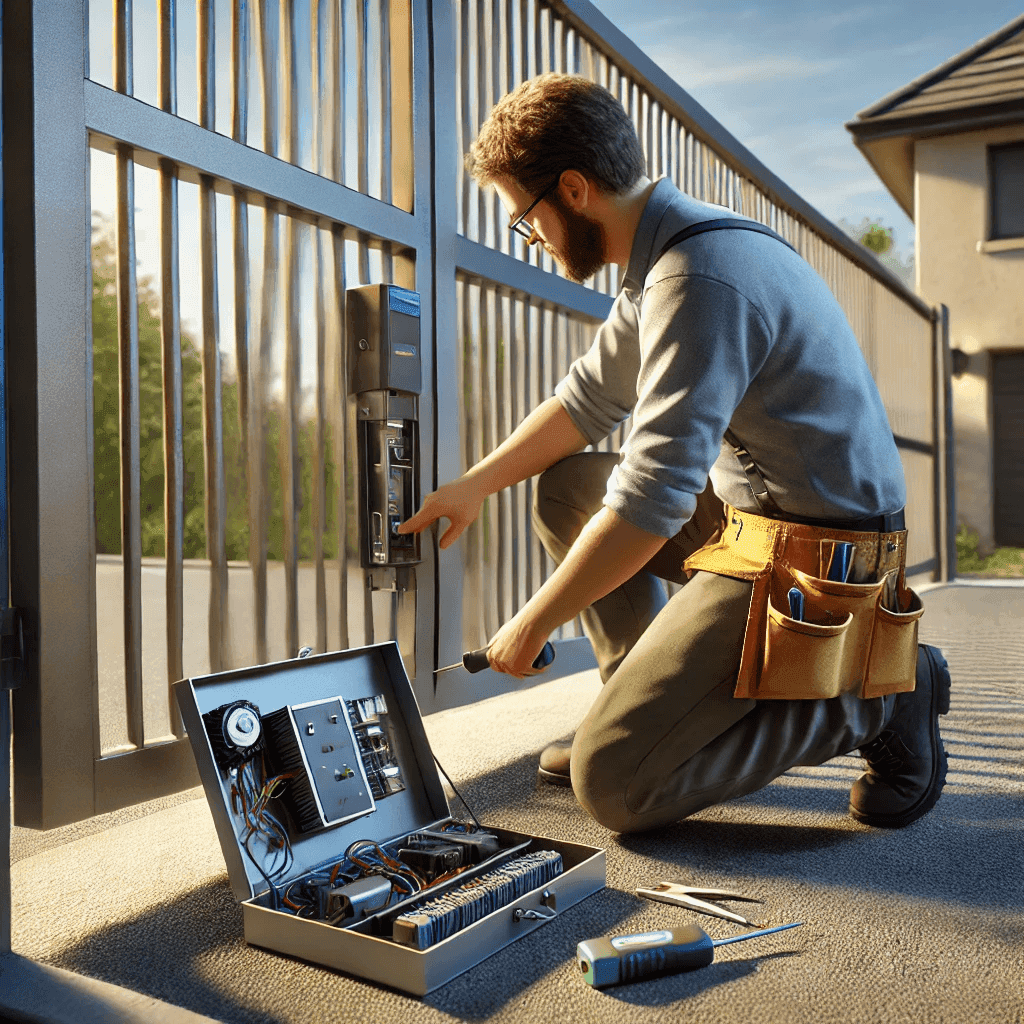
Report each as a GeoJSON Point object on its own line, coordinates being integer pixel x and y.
{"type": "Point", "coordinates": [981, 87]}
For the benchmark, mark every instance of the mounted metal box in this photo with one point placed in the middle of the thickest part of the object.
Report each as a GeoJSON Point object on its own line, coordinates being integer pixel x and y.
{"type": "Point", "coordinates": [384, 798]}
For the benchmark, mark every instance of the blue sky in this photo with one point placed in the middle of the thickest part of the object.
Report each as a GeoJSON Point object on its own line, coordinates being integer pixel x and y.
{"type": "Point", "coordinates": [784, 78]}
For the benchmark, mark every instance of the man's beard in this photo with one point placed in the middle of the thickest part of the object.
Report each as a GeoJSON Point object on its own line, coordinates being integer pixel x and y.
{"type": "Point", "coordinates": [583, 255]}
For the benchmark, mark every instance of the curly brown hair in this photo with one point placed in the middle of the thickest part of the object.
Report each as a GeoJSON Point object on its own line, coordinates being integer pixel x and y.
{"type": "Point", "coordinates": [554, 123]}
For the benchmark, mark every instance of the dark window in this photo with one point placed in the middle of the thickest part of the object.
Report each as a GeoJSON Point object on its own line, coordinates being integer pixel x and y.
{"type": "Point", "coordinates": [1006, 174]}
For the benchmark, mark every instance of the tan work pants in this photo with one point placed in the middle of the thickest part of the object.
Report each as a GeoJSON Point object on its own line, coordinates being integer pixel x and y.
{"type": "Point", "coordinates": [665, 737]}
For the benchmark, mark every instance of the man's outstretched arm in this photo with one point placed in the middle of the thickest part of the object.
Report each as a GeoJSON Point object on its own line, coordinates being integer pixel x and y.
{"type": "Point", "coordinates": [543, 438]}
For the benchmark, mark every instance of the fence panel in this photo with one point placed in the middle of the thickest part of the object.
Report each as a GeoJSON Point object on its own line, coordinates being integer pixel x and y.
{"type": "Point", "coordinates": [206, 180]}
{"type": "Point", "coordinates": [228, 217]}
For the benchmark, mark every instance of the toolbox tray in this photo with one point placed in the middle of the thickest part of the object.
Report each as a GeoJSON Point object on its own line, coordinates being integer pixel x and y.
{"type": "Point", "coordinates": [360, 673]}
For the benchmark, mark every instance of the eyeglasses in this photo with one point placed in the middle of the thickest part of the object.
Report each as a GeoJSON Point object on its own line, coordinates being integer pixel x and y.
{"type": "Point", "coordinates": [525, 230]}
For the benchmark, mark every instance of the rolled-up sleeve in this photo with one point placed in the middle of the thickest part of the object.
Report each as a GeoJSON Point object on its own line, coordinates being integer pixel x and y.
{"type": "Point", "coordinates": [599, 391]}
{"type": "Point", "coordinates": [701, 343]}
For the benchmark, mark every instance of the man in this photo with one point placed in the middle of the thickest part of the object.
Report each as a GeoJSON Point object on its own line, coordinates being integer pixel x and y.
{"type": "Point", "coordinates": [728, 333]}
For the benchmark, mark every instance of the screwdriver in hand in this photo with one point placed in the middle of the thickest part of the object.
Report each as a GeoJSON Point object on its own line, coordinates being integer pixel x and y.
{"type": "Point", "coordinates": [605, 961]}
{"type": "Point", "coordinates": [476, 661]}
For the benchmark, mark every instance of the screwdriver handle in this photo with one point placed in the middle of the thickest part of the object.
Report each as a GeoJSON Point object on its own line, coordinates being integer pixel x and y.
{"type": "Point", "coordinates": [605, 961]}
{"type": "Point", "coordinates": [626, 958]}
{"type": "Point", "coordinates": [476, 661]}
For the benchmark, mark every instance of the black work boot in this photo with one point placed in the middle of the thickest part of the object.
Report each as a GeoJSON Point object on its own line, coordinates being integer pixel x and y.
{"type": "Point", "coordinates": [906, 761]}
{"type": "Point", "coordinates": [554, 763]}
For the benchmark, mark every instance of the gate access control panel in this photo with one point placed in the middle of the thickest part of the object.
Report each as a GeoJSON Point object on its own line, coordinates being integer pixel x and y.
{"type": "Point", "coordinates": [384, 333]}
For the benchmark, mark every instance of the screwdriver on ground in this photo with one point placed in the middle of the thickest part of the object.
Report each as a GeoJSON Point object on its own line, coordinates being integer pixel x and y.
{"type": "Point", "coordinates": [605, 961]}
{"type": "Point", "coordinates": [476, 661]}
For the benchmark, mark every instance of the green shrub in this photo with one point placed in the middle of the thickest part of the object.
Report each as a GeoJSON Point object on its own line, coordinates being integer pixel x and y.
{"type": "Point", "coordinates": [1002, 561]}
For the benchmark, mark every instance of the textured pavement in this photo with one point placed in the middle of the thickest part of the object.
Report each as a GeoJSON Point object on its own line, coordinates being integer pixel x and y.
{"type": "Point", "coordinates": [921, 925]}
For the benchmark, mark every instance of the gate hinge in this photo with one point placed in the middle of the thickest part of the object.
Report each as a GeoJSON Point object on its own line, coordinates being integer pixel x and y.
{"type": "Point", "coordinates": [12, 649]}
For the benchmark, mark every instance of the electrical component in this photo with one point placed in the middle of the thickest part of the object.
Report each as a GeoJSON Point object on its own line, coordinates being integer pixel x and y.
{"type": "Point", "coordinates": [235, 733]}
{"type": "Point", "coordinates": [315, 745]}
{"type": "Point", "coordinates": [431, 858]}
{"type": "Point", "coordinates": [479, 845]}
{"type": "Point", "coordinates": [354, 900]}
{"type": "Point", "coordinates": [369, 722]}
{"type": "Point", "coordinates": [435, 920]}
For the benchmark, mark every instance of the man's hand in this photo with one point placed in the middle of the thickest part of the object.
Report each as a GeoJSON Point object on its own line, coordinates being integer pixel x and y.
{"type": "Point", "coordinates": [515, 647]}
{"type": "Point", "coordinates": [459, 502]}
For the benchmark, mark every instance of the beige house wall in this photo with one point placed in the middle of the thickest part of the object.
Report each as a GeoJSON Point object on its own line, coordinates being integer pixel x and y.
{"type": "Point", "coordinates": [982, 283]}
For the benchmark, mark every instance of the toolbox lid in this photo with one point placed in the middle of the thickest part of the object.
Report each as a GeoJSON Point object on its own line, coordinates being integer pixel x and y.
{"type": "Point", "coordinates": [357, 674]}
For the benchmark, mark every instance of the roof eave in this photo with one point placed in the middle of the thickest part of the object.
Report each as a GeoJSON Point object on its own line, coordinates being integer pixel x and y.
{"type": "Point", "coordinates": [888, 143]}
{"type": "Point", "coordinates": [892, 159]}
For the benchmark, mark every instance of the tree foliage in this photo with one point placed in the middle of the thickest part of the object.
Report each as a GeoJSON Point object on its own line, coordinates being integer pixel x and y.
{"type": "Point", "coordinates": [878, 239]}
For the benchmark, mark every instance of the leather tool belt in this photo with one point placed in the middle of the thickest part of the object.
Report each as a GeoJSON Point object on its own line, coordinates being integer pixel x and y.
{"type": "Point", "coordinates": [853, 638]}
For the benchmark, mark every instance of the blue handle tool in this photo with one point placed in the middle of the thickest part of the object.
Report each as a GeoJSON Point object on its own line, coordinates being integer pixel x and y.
{"type": "Point", "coordinates": [796, 604]}
{"type": "Point", "coordinates": [605, 962]}
{"type": "Point", "coordinates": [841, 563]}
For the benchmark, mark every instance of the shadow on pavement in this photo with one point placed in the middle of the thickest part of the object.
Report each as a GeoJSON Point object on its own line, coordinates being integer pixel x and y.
{"type": "Point", "coordinates": [160, 952]}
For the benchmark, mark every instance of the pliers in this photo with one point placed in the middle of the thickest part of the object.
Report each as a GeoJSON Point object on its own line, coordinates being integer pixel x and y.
{"type": "Point", "coordinates": [688, 896]}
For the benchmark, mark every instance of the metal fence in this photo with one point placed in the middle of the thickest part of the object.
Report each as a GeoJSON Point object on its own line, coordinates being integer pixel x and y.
{"type": "Point", "coordinates": [504, 42]}
{"type": "Point", "coordinates": [206, 180]}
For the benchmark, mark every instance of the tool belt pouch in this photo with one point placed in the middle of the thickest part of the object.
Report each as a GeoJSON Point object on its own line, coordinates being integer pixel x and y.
{"type": "Point", "coordinates": [847, 642]}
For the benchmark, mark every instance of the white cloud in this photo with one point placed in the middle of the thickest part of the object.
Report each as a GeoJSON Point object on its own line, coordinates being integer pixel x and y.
{"type": "Point", "coordinates": [692, 71]}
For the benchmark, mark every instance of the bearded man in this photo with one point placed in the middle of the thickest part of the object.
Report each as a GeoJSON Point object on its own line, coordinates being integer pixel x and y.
{"type": "Point", "coordinates": [759, 455]}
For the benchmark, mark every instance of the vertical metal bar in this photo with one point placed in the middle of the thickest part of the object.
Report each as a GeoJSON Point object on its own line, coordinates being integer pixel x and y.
{"type": "Point", "coordinates": [258, 468]}
{"type": "Point", "coordinates": [268, 76]}
{"type": "Point", "coordinates": [240, 238]}
{"type": "Point", "coordinates": [317, 107]}
{"type": "Point", "coordinates": [216, 496]}
{"type": "Point", "coordinates": [319, 511]}
{"type": "Point", "coordinates": [341, 434]}
{"type": "Point", "coordinates": [174, 472]}
{"type": "Point", "coordinates": [495, 32]}
{"type": "Point", "coordinates": [240, 70]}
{"type": "Point", "coordinates": [5, 697]}
{"type": "Point", "coordinates": [122, 52]}
{"type": "Point", "coordinates": [167, 58]}
{"type": "Point", "coordinates": [469, 334]}
{"type": "Point", "coordinates": [524, 39]}
{"type": "Point", "coordinates": [213, 427]}
{"type": "Point", "coordinates": [362, 85]}
{"type": "Point", "coordinates": [384, 71]}
{"type": "Point", "coordinates": [535, 378]}
{"type": "Point", "coordinates": [319, 470]}
{"type": "Point", "coordinates": [128, 365]}
{"type": "Point", "coordinates": [290, 473]}
{"type": "Point", "coordinates": [399, 40]}
{"type": "Point", "coordinates": [520, 510]}
{"type": "Point", "coordinates": [206, 64]}
{"type": "Point", "coordinates": [170, 339]}
{"type": "Point", "coordinates": [489, 403]}
{"type": "Point", "coordinates": [481, 106]}
{"type": "Point", "coordinates": [261, 376]}
{"type": "Point", "coordinates": [502, 431]}
{"type": "Point", "coordinates": [466, 118]}
{"type": "Point", "coordinates": [948, 448]}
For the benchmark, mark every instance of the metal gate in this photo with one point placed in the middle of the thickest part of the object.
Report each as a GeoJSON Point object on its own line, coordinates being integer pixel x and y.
{"type": "Point", "coordinates": [178, 255]}
{"type": "Point", "coordinates": [290, 173]}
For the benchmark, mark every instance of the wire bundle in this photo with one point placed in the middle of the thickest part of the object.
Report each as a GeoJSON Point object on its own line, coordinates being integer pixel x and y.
{"type": "Point", "coordinates": [439, 918]}
{"type": "Point", "coordinates": [249, 797]}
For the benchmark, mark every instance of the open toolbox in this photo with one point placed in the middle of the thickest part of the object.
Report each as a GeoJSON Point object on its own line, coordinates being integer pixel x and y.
{"type": "Point", "coordinates": [337, 833]}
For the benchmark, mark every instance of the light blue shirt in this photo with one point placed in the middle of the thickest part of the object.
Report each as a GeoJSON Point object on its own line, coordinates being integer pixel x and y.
{"type": "Point", "coordinates": [731, 328]}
